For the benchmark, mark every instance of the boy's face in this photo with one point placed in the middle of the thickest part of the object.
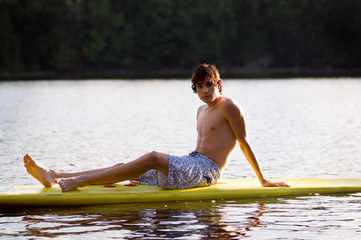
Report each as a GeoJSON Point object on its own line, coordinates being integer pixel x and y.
{"type": "Point", "coordinates": [208, 91]}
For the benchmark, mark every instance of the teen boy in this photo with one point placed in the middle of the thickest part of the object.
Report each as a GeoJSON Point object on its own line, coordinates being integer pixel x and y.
{"type": "Point", "coordinates": [220, 124]}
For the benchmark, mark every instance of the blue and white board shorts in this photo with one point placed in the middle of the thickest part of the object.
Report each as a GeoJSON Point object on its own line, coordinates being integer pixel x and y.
{"type": "Point", "coordinates": [193, 170]}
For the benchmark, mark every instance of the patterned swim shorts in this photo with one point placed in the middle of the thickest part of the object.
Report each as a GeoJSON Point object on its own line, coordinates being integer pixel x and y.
{"type": "Point", "coordinates": [193, 170]}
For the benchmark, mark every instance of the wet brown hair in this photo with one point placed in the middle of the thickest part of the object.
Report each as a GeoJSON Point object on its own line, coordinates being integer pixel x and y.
{"type": "Point", "coordinates": [206, 73]}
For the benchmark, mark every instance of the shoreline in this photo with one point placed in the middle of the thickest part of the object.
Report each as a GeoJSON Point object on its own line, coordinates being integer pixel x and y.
{"type": "Point", "coordinates": [240, 73]}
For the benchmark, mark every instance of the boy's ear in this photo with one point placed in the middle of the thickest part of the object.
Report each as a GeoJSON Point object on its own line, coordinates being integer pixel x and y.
{"type": "Point", "coordinates": [219, 83]}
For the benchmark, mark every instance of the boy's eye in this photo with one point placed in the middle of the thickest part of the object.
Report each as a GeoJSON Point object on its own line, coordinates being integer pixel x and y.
{"type": "Point", "coordinates": [209, 84]}
{"type": "Point", "coordinates": [199, 86]}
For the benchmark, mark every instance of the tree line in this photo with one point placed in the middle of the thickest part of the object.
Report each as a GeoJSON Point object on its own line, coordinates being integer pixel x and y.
{"type": "Point", "coordinates": [77, 36]}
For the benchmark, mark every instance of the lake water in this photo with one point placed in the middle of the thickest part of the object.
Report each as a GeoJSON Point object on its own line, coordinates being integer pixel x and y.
{"type": "Point", "coordinates": [299, 128]}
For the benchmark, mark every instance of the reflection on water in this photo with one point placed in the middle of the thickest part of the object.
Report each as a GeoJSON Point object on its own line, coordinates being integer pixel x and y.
{"type": "Point", "coordinates": [306, 217]}
{"type": "Point", "coordinates": [206, 219]}
{"type": "Point", "coordinates": [299, 129]}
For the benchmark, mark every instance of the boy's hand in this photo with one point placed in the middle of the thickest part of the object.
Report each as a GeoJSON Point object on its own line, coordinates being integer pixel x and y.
{"type": "Point", "coordinates": [267, 183]}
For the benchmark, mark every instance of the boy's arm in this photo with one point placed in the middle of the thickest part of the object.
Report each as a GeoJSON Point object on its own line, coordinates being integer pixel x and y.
{"type": "Point", "coordinates": [237, 122]}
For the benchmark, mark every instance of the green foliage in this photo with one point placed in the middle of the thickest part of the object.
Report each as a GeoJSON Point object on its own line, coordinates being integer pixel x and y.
{"type": "Point", "coordinates": [10, 42]}
{"type": "Point", "coordinates": [107, 35]}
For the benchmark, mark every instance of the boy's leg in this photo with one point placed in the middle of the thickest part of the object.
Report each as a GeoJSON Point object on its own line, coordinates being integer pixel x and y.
{"type": "Point", "coordinates": [87, 172]}
{"type": "Point", "coordinates": [47, 176]}
{"type": "Point", "coordinates": [116, 173]}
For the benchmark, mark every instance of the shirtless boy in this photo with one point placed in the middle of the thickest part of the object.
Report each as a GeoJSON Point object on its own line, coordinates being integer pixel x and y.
{"type": "Point", "coordinates": [220, 124]}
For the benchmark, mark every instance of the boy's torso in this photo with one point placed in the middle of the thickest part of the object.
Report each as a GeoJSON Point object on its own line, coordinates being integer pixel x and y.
{"type": "Point", "coordinates": [216, 139]}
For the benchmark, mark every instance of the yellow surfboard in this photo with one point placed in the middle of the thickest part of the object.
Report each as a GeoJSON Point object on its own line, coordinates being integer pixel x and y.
{"type": "Point", "coordinates": [123, 193]}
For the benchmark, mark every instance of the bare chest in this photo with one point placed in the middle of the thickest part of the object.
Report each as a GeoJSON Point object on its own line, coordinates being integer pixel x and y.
{"type": "Point", "coordinates": [210, 122]}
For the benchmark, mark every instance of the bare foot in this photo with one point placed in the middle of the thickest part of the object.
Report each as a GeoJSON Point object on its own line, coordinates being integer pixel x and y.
{"type": "Point", "coordinates": [68, 184]}
{"type": "Point", "coordinates": [44, 175]}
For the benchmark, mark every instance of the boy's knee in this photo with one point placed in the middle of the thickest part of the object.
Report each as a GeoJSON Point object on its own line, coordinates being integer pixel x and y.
{"type": "Point", "coordinates": [155, 158]}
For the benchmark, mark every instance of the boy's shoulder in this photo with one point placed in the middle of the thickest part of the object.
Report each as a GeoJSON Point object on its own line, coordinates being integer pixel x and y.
{"type": "Point", "coordinates": [229, 102]}
{"type": "Point", "coordinates": [231, 107]}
